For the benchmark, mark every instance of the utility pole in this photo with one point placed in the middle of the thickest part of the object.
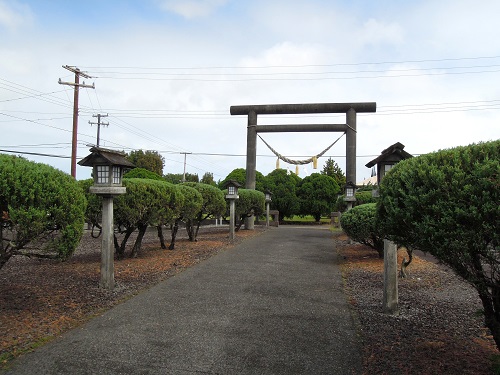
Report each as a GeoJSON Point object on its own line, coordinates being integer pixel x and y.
{"type": "Point", "coordinates": [99, 123]}
{"type": "Point", "coordinates": [184, 174]}
{"type": "Point", "coordinates": [76, 86]}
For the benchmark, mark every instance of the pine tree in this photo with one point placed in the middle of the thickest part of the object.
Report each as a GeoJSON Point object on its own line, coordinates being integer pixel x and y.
{"type": "Point", "coordinates": [333, 170]}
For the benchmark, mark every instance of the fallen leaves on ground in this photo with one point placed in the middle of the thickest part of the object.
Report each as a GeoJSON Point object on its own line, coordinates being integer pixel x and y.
{"type": "Point", "coordinates": [439, 328]}
{"type": "Point", "coordinates": [40, 298]}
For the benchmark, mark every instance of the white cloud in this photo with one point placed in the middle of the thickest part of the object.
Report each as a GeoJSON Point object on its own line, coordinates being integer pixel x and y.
{"type": "Point", "coordinates": [191, 8]}
{"type": "Point", "coordinates": [286, 53]}
{"type": "Point", "coordinates": [14, 15]}
{"type": "Point", "coordinates": [375, 32]}
{"type": "Point", "coordinates": [194, 66]}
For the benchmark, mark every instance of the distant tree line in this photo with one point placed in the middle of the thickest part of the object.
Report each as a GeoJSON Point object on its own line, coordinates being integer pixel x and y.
{"type": "Point", "coordinates": [43, 209]}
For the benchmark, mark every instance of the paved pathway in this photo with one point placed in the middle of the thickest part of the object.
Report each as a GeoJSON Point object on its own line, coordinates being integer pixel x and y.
{"type": "Point", "coordinates": [271, 305]}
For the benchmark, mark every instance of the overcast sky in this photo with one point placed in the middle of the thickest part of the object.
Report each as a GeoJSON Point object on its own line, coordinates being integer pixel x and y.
{"type": "Point", "coordinates": [167, 72]}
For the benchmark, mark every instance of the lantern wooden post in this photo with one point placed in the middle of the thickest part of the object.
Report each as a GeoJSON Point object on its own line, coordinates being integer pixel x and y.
{"type": "Point", "coordinates": [107, 253]}
{"type": "Point", "coordinates": [232, 195]}
{"type": "Point", "coordinates": [389, 157]}
{"type": "Point", "coordinates": [108, 166]}
{"type": "Point", "coordinates": [268, 202]}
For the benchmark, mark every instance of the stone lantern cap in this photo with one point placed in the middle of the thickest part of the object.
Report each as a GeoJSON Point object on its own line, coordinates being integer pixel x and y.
{"type": "Point", "coordinates": [106, 156]}
{"type": "Point", "coordinates": [392, 153]}
{"type": "Point", "coordinates": [390, 156]}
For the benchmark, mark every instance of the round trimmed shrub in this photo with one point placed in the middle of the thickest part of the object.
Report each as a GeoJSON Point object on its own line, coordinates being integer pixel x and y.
{"type": "Point", "coordinates": [448, 203]}
{"type": "Point", "coordinates": [359, 223]}
{"type": "Point", "coordinates": [42, 207]}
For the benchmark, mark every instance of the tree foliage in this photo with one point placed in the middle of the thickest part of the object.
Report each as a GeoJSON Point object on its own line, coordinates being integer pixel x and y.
{"type": "Point", "coordinates": [93, 212]}
{"type": "Point", "coordinates": [143, 173]}
{"type": "Point", "coordinates": [150, 160]}
{"type": "Point", "coordinates": [359, 223]}
{"type": "Point", "coordinates": [193, 202]}
{"type": "Point", "coordinates": [250, 202]}
{"type": "Point", "coordinates": [176, 178]}
{"type": "Point", "coordinates": [317, 194]}
{"type": "Point", "coordinates": [368, 187]}
{"type": "Point", "coordinates": [208, 178]}
{"type": "Point", "coordinates": [284, 189]}
{"type": "Point", "coordinates": [214, 205]}
{"type": "Point", "coordinates": [147, 202]}
{"type": "Point", "coordinates": [332, 169]}
{"type": "Point", "coordinates": [41, 208]}
{"type": "Point", "coordinates": [240, 175]}
{"type": "Point", "coordinates": [447, 203]}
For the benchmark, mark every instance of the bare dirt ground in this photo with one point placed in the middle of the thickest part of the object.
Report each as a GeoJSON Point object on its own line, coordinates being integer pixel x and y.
{"type": "Point", "coordinates": [439, 329]}
{"type": "Point", "coordinates": [40, 299]}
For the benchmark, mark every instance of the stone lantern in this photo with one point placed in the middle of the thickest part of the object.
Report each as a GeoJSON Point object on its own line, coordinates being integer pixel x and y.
{"type": "Point", "coordinates": [350, 197]}
{"type": "Point", "coordinates": [389, 157]}
{"type": "Point", "coordinates": [107, 170]}
{"type": "Point", "coordinates": [232, 195]}
{"type": "Point", "coordinates": [108, 166]}
{"type": "Point", "coordinates": [268, 202]}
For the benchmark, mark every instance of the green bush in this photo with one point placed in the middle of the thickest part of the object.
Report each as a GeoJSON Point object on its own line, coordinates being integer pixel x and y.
{"type": "Point", "coordinates": [214, 205]}
{"type": "Point", "coordinates": [362, 197]}
{"type": "Point", "coordinates": [193, 202]}
{"type": "Point", "coordinates": [147, 202]}
{"type": "Point", "coordinates": [250, 202]}
{"type": "Point", "coordinates": [448, 203]}
{"type": "Point", "coordinates": [284, 189]}
{"type": "Point", "coordinates": [317, 194]}
{"type": "Point", "coordinates": [143, 173]}
{"type": "Point", "coordinates": [240, 175]}
{"type": "Point", "coordinates": [359, 224]}
{"type": "Point", "coordinates": [42, 208]}
{"type": "Point", "coordinates": [93, 212]}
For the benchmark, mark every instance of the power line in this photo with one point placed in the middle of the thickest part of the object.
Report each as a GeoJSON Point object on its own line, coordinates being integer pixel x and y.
{"type": "Point", "coordinates": [30, 96]}
{"type": "Point", "coordinates": [300, 73]}
{"type": "Point", "coordinates": [194, 153]}
{"type": "Point", "coordinates": [297, 79]}
{"type": "Point", "coordinates": [298, 66]}
{"type": "Point", "coordinates": [57, 128]}
{"type": "Point", "coordinates": [23, 90]}
{"type": "Point", "coordinates": [36, 154]}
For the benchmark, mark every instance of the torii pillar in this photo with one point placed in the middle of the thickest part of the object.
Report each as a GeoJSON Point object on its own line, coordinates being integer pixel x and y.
{"type": "Point", "coordinates": [252, 111]}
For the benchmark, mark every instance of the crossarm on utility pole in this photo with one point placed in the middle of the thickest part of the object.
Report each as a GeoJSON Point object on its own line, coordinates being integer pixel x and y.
{"type": "Point", "coordinates": [99, 123]}
{"type": "Point", "coordinates": [76, 86]}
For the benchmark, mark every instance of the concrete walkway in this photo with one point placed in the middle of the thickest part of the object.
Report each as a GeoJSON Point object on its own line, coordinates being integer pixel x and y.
{"type": "Point", "coordinates": [271, 305]}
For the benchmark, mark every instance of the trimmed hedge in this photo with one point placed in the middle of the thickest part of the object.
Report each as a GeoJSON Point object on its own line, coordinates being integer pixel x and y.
{"type": "Point", "coordinates": [214, 205]}
{"type": "Point", "coordinates": [250, 202]}
{"type": "Point", "coordinates": [360, 225]}
{"type": "Point", "coordinates": [42, 208]}
{"type": "Point", "coordinates": [448, 203]}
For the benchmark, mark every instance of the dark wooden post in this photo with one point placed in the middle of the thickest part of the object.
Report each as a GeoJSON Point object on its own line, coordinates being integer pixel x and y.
{"type": "Point", "coordinates": [251, 160]}
{"type": "Point", "coordinates": [351, 146]}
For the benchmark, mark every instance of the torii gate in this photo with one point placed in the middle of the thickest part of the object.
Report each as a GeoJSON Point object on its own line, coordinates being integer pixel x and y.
{"type": "Point", "coordinates": [350, 109]}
